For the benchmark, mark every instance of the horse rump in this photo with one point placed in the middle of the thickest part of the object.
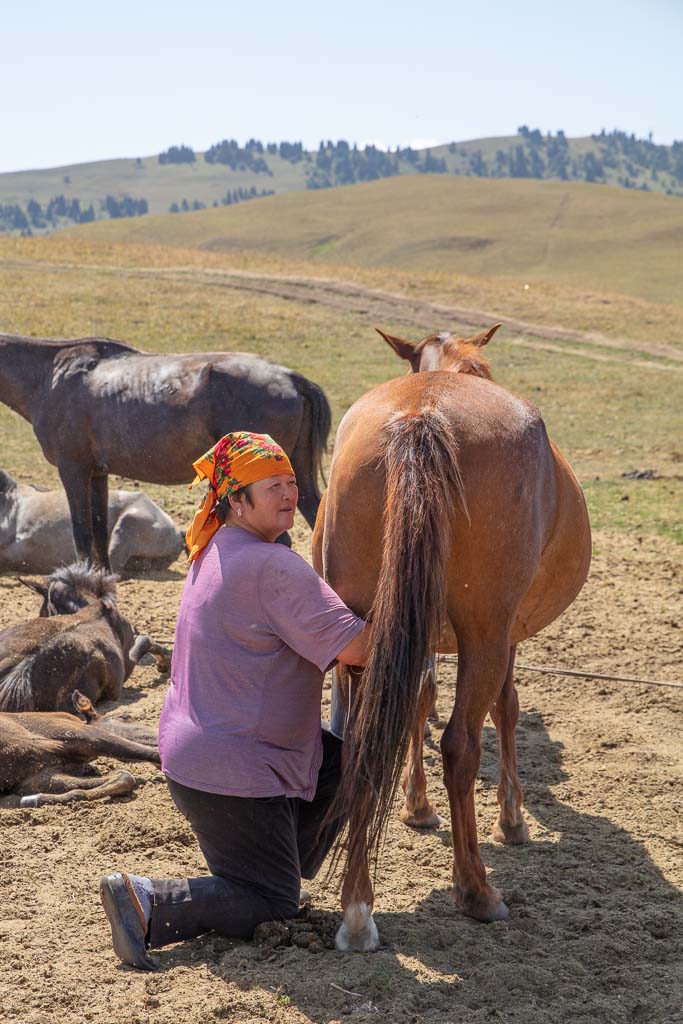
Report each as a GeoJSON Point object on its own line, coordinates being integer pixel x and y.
{"type": "Point", "coordinates": [423, 485]}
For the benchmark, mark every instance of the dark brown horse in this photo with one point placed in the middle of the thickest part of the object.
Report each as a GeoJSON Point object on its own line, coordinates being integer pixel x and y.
{"type": "Point", "coordinates": [99, 406]}
{"type": "Point", "coordinates": [454, 524]}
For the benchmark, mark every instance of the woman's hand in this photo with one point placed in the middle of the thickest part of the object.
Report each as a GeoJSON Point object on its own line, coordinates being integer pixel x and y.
{"type": "Point", "coordinates": [358, 651]}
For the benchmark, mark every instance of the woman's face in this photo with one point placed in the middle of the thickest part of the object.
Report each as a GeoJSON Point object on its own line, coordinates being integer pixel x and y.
{"type": "Point", "coordinates": [274, 504]}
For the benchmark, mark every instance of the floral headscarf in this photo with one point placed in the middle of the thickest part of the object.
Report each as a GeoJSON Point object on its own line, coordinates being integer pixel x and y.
{"type": "Point", "coordinates": [237, 460]}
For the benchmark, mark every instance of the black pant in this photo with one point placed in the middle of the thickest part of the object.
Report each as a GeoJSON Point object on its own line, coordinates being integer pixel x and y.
{"type": "Point", "coordinates": [257, 851]}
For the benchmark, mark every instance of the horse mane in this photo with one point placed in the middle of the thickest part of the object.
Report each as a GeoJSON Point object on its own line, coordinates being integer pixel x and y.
{"type": "Point", "coordinates": [7, 483]}
{"type": "Point", "coordinates": [423, 485]}
{"type": "Point", "coordinates": [469, 359]}
{"type": "Point", "coordinates": [84, 578]}
{"type": "Point", "coordinates": [103, 344]}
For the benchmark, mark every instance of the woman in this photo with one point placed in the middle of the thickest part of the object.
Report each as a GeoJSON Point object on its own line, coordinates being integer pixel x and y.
{"type": "Point", "coordinates": [240, 737]}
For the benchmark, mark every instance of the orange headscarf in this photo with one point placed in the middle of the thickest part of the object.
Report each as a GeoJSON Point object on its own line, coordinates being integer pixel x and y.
{"type": "Point", "coordinates": [237, 460]}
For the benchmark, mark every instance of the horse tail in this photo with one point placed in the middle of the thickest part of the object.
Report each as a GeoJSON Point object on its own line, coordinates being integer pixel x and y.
{"type": "Point", "coordinates": [423, 485]}
{"type": "Point", "coordinates": [318, 420]}
{"type": "Point", "coordinates": [16, 690]}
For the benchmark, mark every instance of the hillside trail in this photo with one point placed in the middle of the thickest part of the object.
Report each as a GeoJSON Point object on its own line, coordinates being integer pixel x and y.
{"type": "Point", "coordinates": [380, 306]}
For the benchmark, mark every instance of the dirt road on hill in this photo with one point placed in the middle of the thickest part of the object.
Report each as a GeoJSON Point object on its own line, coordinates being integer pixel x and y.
{"type": "Point", "coordinates": [596, 926]}
{"type": "Point", "coordinates": [381, 307]}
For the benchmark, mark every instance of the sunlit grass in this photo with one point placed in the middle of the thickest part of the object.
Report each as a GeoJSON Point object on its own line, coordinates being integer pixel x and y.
{"type": "Point", "coordinates": [609, 418]}
{"type": "Point", "coordinates": [592, 238]}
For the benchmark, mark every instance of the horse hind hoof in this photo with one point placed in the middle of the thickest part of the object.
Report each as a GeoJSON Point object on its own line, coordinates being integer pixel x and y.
{"type": "Point", "coordinates": [358, 931]}
{"type": "Point", "coordinates": [511, 835]}
{"type": "Point", "coordinates": [425, 820]}
{"type": "Point", "coordinates": [486, 906]}
{"type": "Point", "coordinates": [30, 801]}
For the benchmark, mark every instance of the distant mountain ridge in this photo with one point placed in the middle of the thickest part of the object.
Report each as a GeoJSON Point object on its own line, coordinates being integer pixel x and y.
{"type": "Point", "coordinates": [180, 179]}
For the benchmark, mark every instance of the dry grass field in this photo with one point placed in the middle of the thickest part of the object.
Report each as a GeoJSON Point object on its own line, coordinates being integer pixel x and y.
{"type": "Point", "coordinates": [600, 238]}
{"type": "Point", "coordinates": [596, 902]}
{"type": "Point", "coordinates": [605, 369]}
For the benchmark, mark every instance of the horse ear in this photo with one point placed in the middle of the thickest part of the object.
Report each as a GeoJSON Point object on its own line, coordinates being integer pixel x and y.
{"type": "Point", "coordinates": [484, 338]}
{"type": "Point", "coordinates": [38, 586]}
{"type": "Point", "coordinates": [402, 348]}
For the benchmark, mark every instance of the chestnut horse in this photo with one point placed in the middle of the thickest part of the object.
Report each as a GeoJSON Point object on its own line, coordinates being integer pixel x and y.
{"type": "Point", "coordinates": [453, 523]}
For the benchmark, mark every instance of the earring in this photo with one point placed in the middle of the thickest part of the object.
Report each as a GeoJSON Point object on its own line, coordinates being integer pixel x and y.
{"type": "Point", "coordinates": [239, 511]}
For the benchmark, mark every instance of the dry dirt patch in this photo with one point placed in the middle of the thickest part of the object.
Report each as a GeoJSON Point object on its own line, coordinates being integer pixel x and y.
{"type": "Point", "coordinates": [595, 899]}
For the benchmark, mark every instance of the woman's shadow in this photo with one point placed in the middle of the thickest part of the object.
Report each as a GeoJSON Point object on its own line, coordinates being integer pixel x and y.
{"type": "Point", "coordinates": [594, 932]}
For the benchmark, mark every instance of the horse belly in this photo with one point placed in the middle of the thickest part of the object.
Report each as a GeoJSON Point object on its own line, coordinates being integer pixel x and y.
{"type": "Point", "coordinates": [565, 560]}
{"type": "Point", "coordinates": [148, 416]}
{"type": "Point", "coordinates": [155, 444]}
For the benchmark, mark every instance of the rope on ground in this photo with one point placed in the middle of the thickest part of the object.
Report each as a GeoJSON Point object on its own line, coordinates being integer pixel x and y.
{"type": "Point", "coordinates": [549, 671]}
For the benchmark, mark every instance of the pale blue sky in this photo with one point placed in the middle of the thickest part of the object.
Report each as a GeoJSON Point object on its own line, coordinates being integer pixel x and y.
{"type": "Point", "coordinates": [80, 81]}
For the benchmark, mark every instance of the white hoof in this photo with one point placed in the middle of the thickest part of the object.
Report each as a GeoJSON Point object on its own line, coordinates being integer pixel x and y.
{"type": "Point", "coordinates": [358, 931]}
{"type": "Point", "coordinates": [29, 801]}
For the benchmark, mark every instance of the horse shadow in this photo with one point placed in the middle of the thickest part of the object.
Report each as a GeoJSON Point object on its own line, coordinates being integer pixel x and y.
{"type": "Point", "coordinates": [594, 932]}
{"type": "Point", "coordinates": [150, 574]}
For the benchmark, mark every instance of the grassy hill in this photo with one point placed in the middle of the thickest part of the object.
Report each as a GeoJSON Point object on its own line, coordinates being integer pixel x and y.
{"type": "Point", "coordinates": [597, 238]}
{"type": "Point", "coordinates": [160, 184]}
{"type": "Point", "coordinates": [156, 187]}
{"type": "Point", "coordinates": [612, 404]}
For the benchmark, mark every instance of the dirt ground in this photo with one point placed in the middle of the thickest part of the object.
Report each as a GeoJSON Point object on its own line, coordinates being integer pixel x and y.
{"type": "Point", "coordinates": [596, 909]}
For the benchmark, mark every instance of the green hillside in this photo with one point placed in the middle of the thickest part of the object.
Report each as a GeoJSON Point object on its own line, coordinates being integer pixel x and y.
{"type": "Point", "coordinates": [599, 238]}
{"type": "Point", "coordinates": [179, 179]}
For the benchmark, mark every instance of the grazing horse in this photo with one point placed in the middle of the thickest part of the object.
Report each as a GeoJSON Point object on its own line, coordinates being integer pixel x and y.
{"type": "Point", "coordinates": [99, 406]}
{"type": "Point", "coordinates": [453, 524]}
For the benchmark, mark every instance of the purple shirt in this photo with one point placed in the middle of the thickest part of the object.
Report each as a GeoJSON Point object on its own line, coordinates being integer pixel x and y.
{"type": "Point", "coordinates": [257, 628]}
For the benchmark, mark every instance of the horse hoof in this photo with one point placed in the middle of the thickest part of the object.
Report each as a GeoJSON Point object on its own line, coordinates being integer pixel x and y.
{"type": "Point", "coordinates": [358, 931]}
{"type": "Point", "coordinates": [30, 801]}
{"type": "Point", "coordinates": [486, 906]}
{"type": "Point", "coordinates": [422, 819]}
{"type": "Point", "coordinates": [513, 835]}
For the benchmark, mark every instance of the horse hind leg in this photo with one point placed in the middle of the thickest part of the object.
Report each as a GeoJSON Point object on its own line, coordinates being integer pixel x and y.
{"type": "Point", "coordinates": [433, 714]}
{"type": "Point", "coordinates": [304, 466]}
{"type": "Point", "coordinates": [510, 826]}
{"type": "Point", "coordinates": [61, 788]}
{"type": "Point", "coordinates": [358, 931]}
{"type": "Point", "coordinates": [417, 811]}
{"type": "Point", "coordinates": [144, 645]}
{"type": "Point", "coordinates": [482, 664]}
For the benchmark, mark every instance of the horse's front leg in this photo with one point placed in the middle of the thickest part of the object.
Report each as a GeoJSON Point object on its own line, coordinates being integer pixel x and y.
{"type": "Point", "coordinates": [510, 826]}
{"type": "Point", "coordinates": [482, 664]}
{"type": "Point", "coordinates": [417, 810]}
{"type": "Point", "coordinates": [358, 931]}
{"type": "Point", "coordinates": [76, 481]}
{"type": "Point", "coordinates": [99, 489]}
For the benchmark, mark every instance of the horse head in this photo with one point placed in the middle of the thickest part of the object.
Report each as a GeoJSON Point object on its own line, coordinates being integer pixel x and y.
{"type": "Point", "coordinates": [7, 483]}
{"type": "Point", "coordinates": [71, 587]}
{"type": "Point", "coordinates": [445, 351]}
